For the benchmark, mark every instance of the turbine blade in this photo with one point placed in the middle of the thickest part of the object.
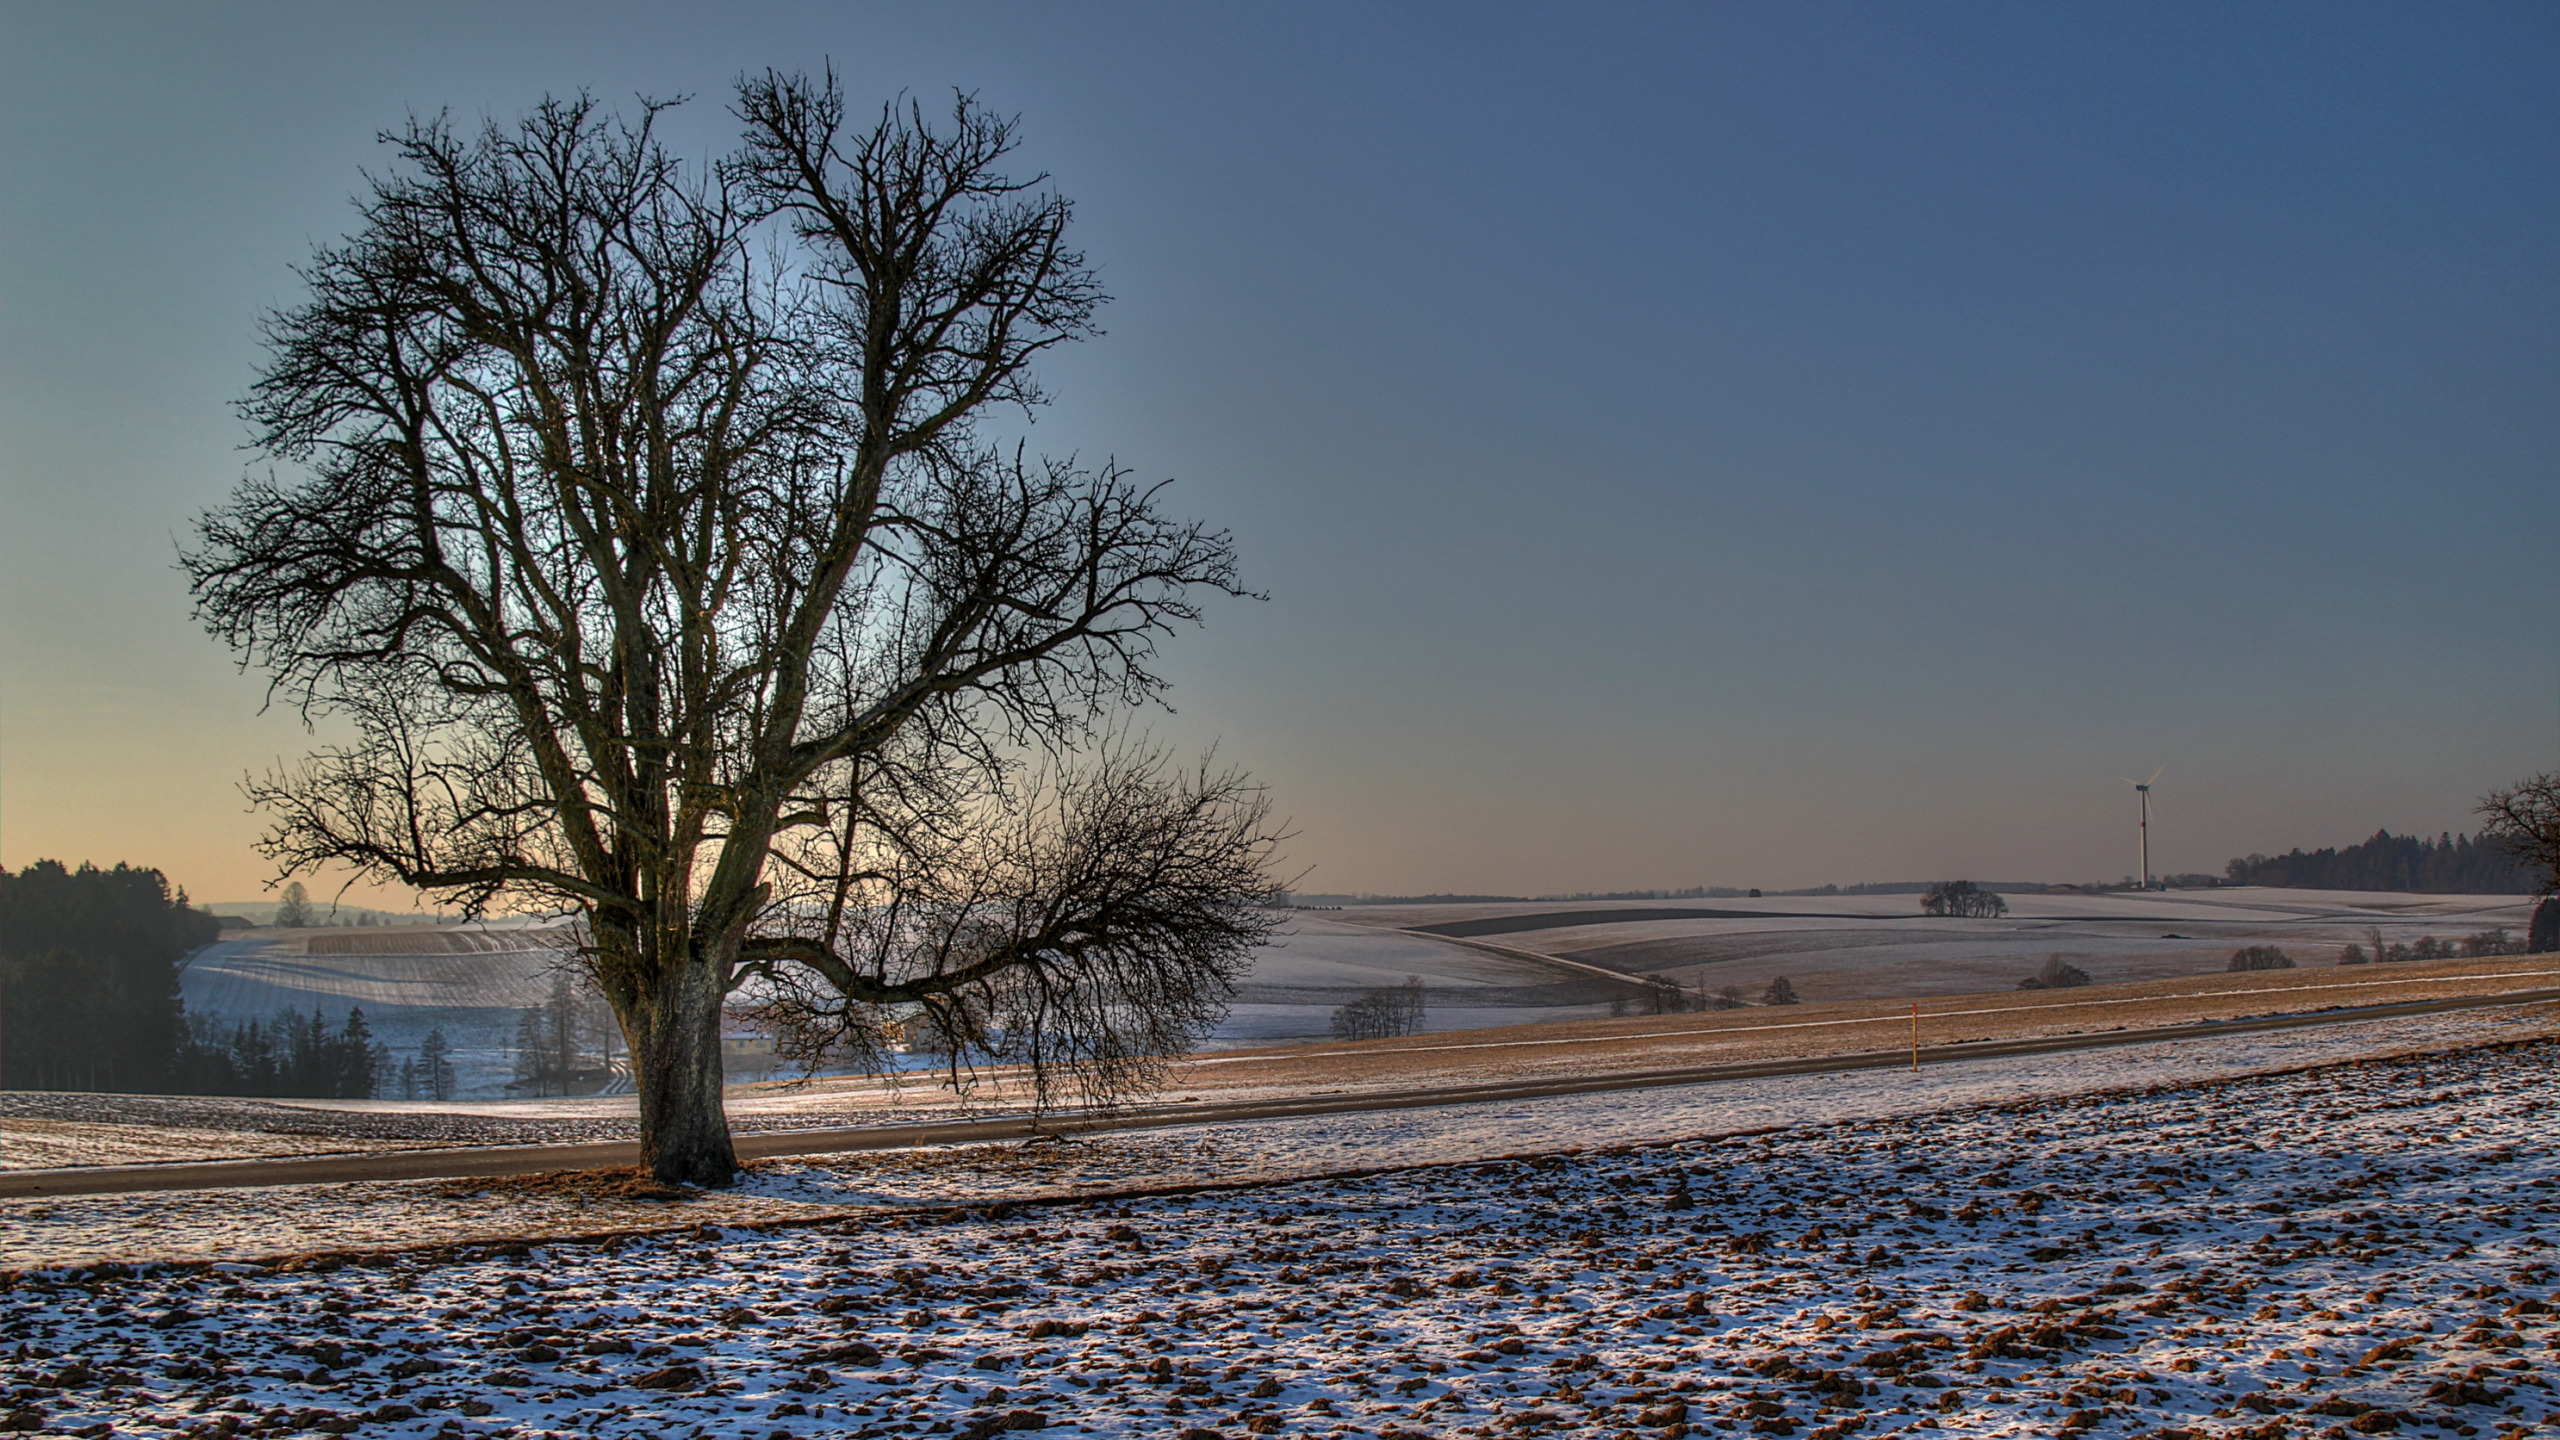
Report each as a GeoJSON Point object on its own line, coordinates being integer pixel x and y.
{"type": "Point", "coordinates": [2155, 776]}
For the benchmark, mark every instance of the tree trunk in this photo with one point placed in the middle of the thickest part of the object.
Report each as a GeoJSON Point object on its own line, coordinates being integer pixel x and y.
{"type": "Point", "coordinates": [675, 1062]}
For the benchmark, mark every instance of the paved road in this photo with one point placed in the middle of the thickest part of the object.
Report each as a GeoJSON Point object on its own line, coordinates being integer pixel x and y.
{"type": "Point", "coordinates": [478, 1162]}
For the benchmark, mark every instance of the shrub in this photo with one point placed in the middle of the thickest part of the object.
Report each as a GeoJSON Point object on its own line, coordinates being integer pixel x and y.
{"type": "Point", "coordinates": [2259, 957]}
{"type": "Point", "coordinates": [1729, 997]}
{"type": "Point", "coordinates": [2354, 955]}
{"type": "Point", "coordinates": [1780, 992]}
{"type": "Point", "coordinates": [1382, 1014]}
{"type": "Point", "coordinates": [2057, 974]}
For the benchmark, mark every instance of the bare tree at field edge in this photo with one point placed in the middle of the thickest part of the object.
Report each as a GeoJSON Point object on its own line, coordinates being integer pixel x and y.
{"type": "Point", "coordinates": [646, 542]}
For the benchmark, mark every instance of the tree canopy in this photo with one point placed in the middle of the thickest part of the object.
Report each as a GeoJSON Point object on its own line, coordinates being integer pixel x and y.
{"type": "Point", "coordinates": [643, 527]}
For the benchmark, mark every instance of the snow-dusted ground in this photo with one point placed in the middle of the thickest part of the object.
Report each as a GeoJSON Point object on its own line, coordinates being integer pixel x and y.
{"type": "Point", "coordinates": [2363, 1249]}
{"type": "Point", "coordinates": [263, 1222]}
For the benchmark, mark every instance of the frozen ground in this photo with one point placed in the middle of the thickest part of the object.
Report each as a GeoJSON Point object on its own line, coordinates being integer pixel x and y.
{"type": "Point", "coordinates": [40, 1130]}
{"type": "Point", "coordinates": [2363, 1249]}
{"type": "Point", "coordinates": [257, 1223]}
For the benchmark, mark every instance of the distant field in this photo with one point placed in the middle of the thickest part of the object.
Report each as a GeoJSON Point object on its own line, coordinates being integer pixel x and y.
{"type": "Point", "coordinates": [1480, 965]}
{"type": "Point", "coordinates": [1872, 947]}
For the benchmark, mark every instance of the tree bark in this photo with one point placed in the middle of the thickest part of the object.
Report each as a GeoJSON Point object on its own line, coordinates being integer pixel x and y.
{"type": "Point", "coordinates": [676, 1063]}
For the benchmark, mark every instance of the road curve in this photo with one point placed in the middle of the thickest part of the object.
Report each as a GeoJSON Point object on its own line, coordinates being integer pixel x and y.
{"type": "Point", "coordinates": [477, 1162]}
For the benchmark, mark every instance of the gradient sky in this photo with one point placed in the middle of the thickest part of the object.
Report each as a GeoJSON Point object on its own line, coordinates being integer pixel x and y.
{"type": "Point", "coordinates": [1750, 444]}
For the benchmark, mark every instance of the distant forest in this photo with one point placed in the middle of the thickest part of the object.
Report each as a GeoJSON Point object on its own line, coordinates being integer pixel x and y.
{"type": "Point", "coordinates": [2447, 865]}
{"type": "Point", "coordinates": [89, 962]}
{"type": "Point", "coordinates": [89, 966]}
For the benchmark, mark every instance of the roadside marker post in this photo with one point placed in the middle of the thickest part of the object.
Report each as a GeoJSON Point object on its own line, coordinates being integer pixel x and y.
{"type": "Point", "coordinates": [1915, 1037]}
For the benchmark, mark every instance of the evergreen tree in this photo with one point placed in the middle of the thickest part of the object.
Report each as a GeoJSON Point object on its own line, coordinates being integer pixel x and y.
{"type": "Point", "coordinates": [533, 1051]}
{"type": "Point", "coordinates": [253, 1060]}
{"type": "Point", "coordinates": [352, 1062]}
{"type": "Point", "coordinates": [561, 1030]}
{"type": "Point", "coordinates": [1781, 991]}
{"type": "Point", "coordinates": [435, 1066]}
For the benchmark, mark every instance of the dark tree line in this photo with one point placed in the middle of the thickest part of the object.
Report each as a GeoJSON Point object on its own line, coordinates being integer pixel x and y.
{"type": "Point", "coordinates": [89, 999]}
{"type": "Point", "coordinates": [290, 1054]}
{"type": "Point", "coordinates": [2447, 865]}
{"type": "Point", "coordinates": [89, 977]}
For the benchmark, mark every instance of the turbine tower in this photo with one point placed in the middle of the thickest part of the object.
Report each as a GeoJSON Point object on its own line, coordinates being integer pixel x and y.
{"type": "Point", "coordinates": [2143, 789]}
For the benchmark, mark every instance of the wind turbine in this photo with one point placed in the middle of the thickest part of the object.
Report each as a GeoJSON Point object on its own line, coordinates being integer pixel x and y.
{"type": "Point", "coordinates": [2143, 789]}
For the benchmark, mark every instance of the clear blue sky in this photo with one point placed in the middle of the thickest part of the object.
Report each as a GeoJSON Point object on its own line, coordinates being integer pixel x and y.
{"type": "Point", "coordinates": [1726, 443]}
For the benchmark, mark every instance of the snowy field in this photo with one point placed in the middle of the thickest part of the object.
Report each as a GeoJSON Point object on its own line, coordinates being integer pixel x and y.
{"type": "Point", "coordinates": [1318, 963]}
{"type": "Point", "coordinates": [473, 982]}
{"type": "Point", "coordinates": [2365, 1248]}
{"type": "Point", "coordinates": [1862, 947]}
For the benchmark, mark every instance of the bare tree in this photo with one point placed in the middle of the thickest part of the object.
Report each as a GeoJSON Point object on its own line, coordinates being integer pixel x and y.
{"type": "Point", "coordinates": [1664, 995]}
{"type": "Point", "coordinates": [293, 912]}
{"type": "Point", "coordinates": [1382, 1014]}
{"type": "Point", "coordinates": [650, 550]}
{"type": "Point", "coordinates": [2526, 815]}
